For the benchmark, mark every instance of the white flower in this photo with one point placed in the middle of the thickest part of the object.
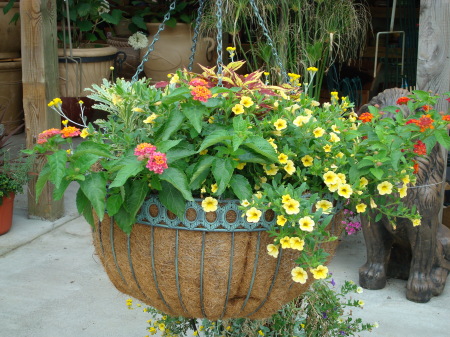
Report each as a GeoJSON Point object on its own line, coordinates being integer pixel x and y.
{"type": "Point", "coordinates": [138, 40]}
{"type": "Point", "coordinates": [104, 7]}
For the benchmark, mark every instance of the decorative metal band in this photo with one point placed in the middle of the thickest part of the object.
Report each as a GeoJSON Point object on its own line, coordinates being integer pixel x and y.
{"type": "Point", "coordinates": [177, 278]}
{"type": "Point", "coordinates": [230, 274]}
{"type": "Point", "coordinates": [255, 267]}
{"type": "Point", "coordinates": [113, 249]}
{"type": "Point", "coordinates": [202, 266]}
{"type": "Point", "coordinates": [227, 218]}
{"type": "Point", "coordinates": [130, 262]}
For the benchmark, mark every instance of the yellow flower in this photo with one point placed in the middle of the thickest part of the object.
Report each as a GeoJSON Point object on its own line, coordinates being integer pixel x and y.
{"type": "Point", "coordinates": [137, 109]}
{"type": "Point", "coordinates": [150, 119]}
{"type": "Point", "coordinates": [211, 120]}
{"type": "Point", "coordinates": [116, 99]}
{"type": "Point", "coordinates": [195, 333]}
{"type": "Point", "coordinates": [260, 333]}
{"type": "Point", "coordinates": [342, 178]}
{"type": "Point", "coordinates": [214, 188]}
{"type": "Point", "coordinates": [406, 179]}
{"type": "Point", "coordinates": [335, 129]}
{"type": "Point", "coordinates": [361, 208]}
{"type": "Point", "coordinates": [363, 182]}
{"type": "Point", "coordinates": [416, 222]}
{"type": "Point", "coordinates": [209, 204]}
{"type": "Point", "coordinates": [238, 109]}
{"type": "Point", "coordinates": [291, 206]}
{"type": "Point", "coordinates": [325, 205]}
{"type": "Point", "coordinates": [372, 203]}
{"type": "Point", "coordinates": [312, 69]}
{"type": "Point", "coordinates": [299, 275]}
{"type": "Point", "coordinates": [246, 101]}
{"type": "Point", "coordinates": [318, 132]}
{"type": "Point", "coordinates": [280, 124]}
{"type": "Point", "coordinates": [273, 250]}
{"type": "Point", "coordinates": [384, 188]}
{"type": "Point", "coordinates": [84, 133]}
{"type": "Point", "coordinates": [294, 76]}
{"type": "Point", "coordinates": [175, 79]}
{"type": "Point", "coordinates": [258, 194]}
{"type": "Point", "coordinates": [315, 103]}
{"type": "Point", "coordinates": [289, 167]}
{"type": "Point", "coordinates": [281, 220]}
{"type": "Point", "coordinates": [297, 243]}
{"type": "Point", "coordinates": [203, 189]}
{"type": "Point", "coordinates": [321, 272]}
{"type": "Point", "coordinates": [345, 190]}
{"type": "Point", "coordinates": [65, 122]}
{"type": "Point", "coordinates": [306, 224]}
{"type": "Point", "coordinates": [327, 148]}
{"type": "Point", "coordinates": [334, 138]}
{"type": "Point", "coordinates": [161, 326]}
{"type": "Point", "coordinates": [271, 170]}
{"type": "Point", "coordinates": [240, 166]}
{"type": "Point", "coordinates": [361, 303]}
{"type": "Point", "coordinates": [231, 49]}
{"type": "Point", "coordinates": [253, 215]}
{"type": "Point", "coordinates": [282, 158]}
{"type": "Point", "coordinates": [285, 242]}
{"type": "Point", "coordinates": [333, 187]}
{"type": "Point", "coordinates": [245, 203]}
{"type": "Point", "coordinates": [307, 160]}
{"type": "Point", "coordinates": [330, 178]}
{"type": "Point", "coordinates": [272, 142]}
{"type": "Point", "coordinates": [403, 191]}
{"type": "Point", "coordinates": [300, 120]}
{"type": "Point", "coordinates": [69, 151]}
{"type": "Point", "coordinates": [340, 155]}
{"type": "Point", "coordinates": [334, 94]}
{"type": "Point", "coordinates": [285, 198]}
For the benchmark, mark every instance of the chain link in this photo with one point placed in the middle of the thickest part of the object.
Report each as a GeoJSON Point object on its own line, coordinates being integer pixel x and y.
{"type": "Point", "coordinates": [269, 41]}
{"type": "Point", "coordinates": [155, 39]}
{"type": "Point", "coordinates": [198, 21]}
{"type": "Point", "coordinates": [219, 41]}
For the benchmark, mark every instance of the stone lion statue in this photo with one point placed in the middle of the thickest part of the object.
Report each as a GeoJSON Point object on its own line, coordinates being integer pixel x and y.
{"type": "Point", "coordinates": [419, 254]}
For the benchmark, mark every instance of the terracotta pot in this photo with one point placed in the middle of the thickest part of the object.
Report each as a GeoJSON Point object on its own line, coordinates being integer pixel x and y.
{"type": "Point", "coordinates": [173, 49]}
{"type": "Point", "coordinates": [11, 95]}
{"type": "Point", "coordinates": [6, 213]}
{"type": "Point", "coordinates": [9, 33]}
{"type": "Point", "coordinates": [86, 66]}
{"type": "Point", "coordinates": [210, 265]}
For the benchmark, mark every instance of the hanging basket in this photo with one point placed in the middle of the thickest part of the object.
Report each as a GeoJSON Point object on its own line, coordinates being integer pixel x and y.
{"type": "Point", "coordinates": [210, 265]}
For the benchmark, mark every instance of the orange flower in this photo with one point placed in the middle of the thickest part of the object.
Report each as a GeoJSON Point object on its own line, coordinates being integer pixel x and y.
{"type": "Point", "coordinates": [366, 117]}
{"type": "Point", "coordinates": [420, 148]}
{"type": "Point", "coordinates": [446, 118]}
{"type": "Point", "coordinates": [427, 108]}
{"type": "Point", "coordinates": [403, 100]}
{"type": "Point", "coordinates": [70, 131]}
{"type": "Point", "coordinates": [416, 167]}
{"type": "Point", "coordinates": [425, 122]}
{"type": "Point", "coordinates": [201, 93]}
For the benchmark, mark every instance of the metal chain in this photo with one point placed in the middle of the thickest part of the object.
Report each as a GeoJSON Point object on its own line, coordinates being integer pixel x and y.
{"type": "Point", "coordinates": [151, 47]}
{"type": "Point", "coordinates": [219, 41]}
{"type": "Point", "coordinates": [198, 21]}
{"type": "Point", "coordinates": [269, 41]}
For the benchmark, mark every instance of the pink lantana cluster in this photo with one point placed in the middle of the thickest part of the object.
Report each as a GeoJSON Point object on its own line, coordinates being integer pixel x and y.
{"type": "Point", "coordinates": [45, 135]}
{"type": "Point", "coordinates": [200, 91]}
{"type": "Point", "coordinates": [156, 161]}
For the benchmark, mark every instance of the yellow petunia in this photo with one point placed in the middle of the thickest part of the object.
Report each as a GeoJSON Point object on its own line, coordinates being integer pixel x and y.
{"type": "Point", "coordinates": [325, 205]}
{"type": "Point", "coordinates": [327, 148]}
{"type": "Point", "coordinates": [300, 120]}
{"type": "Point", "coordinates": [271, 170]}
{"type": "Point", "coordinates": [307, 160]}
{"type": "Point", "coordinates": [137, 109]}
{"type": "Point", "coordinates": [281, 220]}
{"type": "Point", "coordinates": [406, 179]}
{"type": "Point", "coordinates": [373, 204]}
{"type": "Point", "coordinates": [150, 119]}
{"type": "Point", "coordinates": [291, 206]}
{"type": "Point", "coordinates": [285, 242]}
{"type": "Point", "coordinates": [363, 182]}
{"type": "Point", "coordinates": [280, 124]}
{"type": "Point", "coordinates": [214, 188]}
{"type": "Point", "coordinates": [282, 158]}
{"type": "Point", "coordinates": [246, 101]}
{"type": "Point", "coordinates": [334, 138]}
{"type": "Point", "coordinates": [403, 191]}
{"type": "Point", "coordinates": [209, 204]}
{"type": "Point", "coordinates": [330, 178]}
{"type": "Point", "coordinates": [384, 188]}
{"type": "Point", "coordinates": [285, 198]}
{"type": "Point", "coordinates": [273, 250]}
{"type": "Point", "coordinates": [84, 133]}
{"type": "Point", "coordinates": [361, 208]}
{"type": "Point", "coordinates": [299, 275]}
{"type": "Point", "coordinates": [240, 166]}
{"type": "Point", "coordinates": [245, 203]}
{"type": "Point", "coordinates": [416, 222]}
{"type": "Point", "coordinates": [238, 109]}
{"type": "Point", "coordinates": [306, 224]}
{"type": "Point", "coordinates": [297, 243]}
{"type": "Point", "coordinates": [290, 167]}
{"type": "Point", "coordinates": [253, 214]}
{"type": "Point", "coordinates": [318, 132]}
{"type": "Point", "coordinates": [321, 272]}
{"type": "Point", "coordinates": [345, 190]}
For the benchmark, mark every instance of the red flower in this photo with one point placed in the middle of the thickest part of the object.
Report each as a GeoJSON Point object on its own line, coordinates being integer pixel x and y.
{"type": "Point", "coordinates": [416, 167]}
{"type": "Point", "coordinates": [427, 108]}
{"type": "Point", "coordinates": [366, 117]}
{"type": "Point", "coordinates": [425, 122]}
{"type": "Point", "coordinates": [403, 100]}
{"type": "Point", "coordinates": [420, 148]}
{"type": "Point", "coordinates": [446, 118]}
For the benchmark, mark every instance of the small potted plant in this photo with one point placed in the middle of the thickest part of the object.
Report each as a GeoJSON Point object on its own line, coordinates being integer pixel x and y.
{"type": "Point", "coordinates": [218, 195]}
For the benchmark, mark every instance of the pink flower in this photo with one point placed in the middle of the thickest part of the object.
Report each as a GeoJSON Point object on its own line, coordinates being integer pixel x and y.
{"type": "Point", "coordinates": [157, 162]}
{"type": "Point", "coordinates": [144, 150]}
{"type": "Point", "coordinates": [201, 93]}
{"type": "Point", "coordinates": [198, 81]}
{"type": "Point", "coordinates": [45, 135]}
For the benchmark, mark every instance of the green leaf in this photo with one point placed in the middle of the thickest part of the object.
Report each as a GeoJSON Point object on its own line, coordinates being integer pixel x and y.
{"type": "Point", "coordinates": [395, 158]}
{"type": "Point", "coordinates": [222, 171]}
{"type": "Point", "coordinates": [172, 199]}
{"type": "Point", "coordinates": [57, 162]}
{"type": "Point", "coordinates": [94, 187]}
{"type": "Point", "coordinates": [166, 145]}
{"type": "Point", "coordinates": [174, 122]}
{"type": "Point", "coordinates": [195, 115]}
{"type": "Point", "coordinates": [84, 163]}
{"type": "Point", "coordinates": [175, 96]}
{"type": "Point", "coordinates": [377, 172]}
{"type": "Point", "coordinates": [241, 187]}
{"type": "Point", "coordinates": [139, 21]}
{"type": "Point", "coordinates": [179, 152]}
{"type": "Point", "coordinates": [113, 204]}
{"type": "Point", "coordinates": [44, 176]}
{"type": "Point", "coordinates": [135, 194]}
{"type": "Point", "coordinates": [84, 207]}
{"type": "Point", "coordinates": [364, 163]}
{"type": "Point", "coordinates": [214, 137]}
{"type": "Point", "coordinates": [178, 180]}
{"type": "Point", "coordinates": [203, 166]}
{"type": "Point", "coordinates": [443, 138]}
{"type": "Point", "coordinates": [378, 217]}
{"type": "Point", "coordinates": [90, 147]}
{"type": "Point", "coordinates": [131, 168]}
{"type": "Point", "coordinates": [58, 193]}
{"type": "Point", "coordinates": [262, 147]}
{"type": "Point", "coordinates": [124, 220]}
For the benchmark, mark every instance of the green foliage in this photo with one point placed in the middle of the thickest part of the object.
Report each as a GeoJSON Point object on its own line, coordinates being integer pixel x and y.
{"type": "Point", "coordinates": [14, 172]}
{"type": "Point", "coordinates": [323, 311]}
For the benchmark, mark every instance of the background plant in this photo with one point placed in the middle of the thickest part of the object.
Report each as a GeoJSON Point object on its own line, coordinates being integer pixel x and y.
{"type": "Point", "coordinates": [323, 311]}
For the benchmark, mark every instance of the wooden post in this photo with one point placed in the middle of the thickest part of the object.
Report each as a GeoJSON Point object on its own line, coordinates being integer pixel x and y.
{"type": "Point", "coordinates": [433, 58]}
{"type": "Point", "coordinates": [40, 85]}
